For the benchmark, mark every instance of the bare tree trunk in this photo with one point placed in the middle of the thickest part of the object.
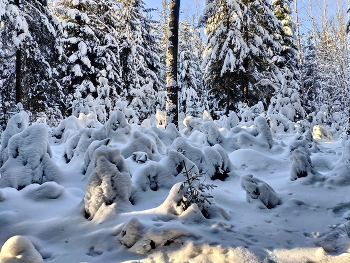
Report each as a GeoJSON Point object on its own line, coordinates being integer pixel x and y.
{"type": "Point", "coordinates": [19, 95]}
{"type": "Point", "coordinates": [172, 103]}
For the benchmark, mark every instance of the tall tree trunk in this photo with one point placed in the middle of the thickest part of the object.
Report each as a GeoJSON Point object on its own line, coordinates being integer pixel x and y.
{"type": "Point", "coordinates": [19, 94]}
{"type": "Point", "coordinates": [172, 103]}
{"type": "Point", "coordinates": [228, 98]}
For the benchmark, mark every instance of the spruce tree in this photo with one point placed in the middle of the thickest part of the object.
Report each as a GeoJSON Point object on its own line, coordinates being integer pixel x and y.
{"type": "Point", "coordinates": [142, 84]}
{"type": "Point", "coordinates": [29, 58]}
{"type": "Point", "coordinates": [240, 46]}
{"type": "Point", "coordinates": [92, 77]}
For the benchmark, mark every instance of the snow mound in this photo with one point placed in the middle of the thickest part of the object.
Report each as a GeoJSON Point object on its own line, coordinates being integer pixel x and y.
{"type": "Point", "coordinates": [29, 159]}
{"type": "Point", "coordinates": [141, 239]}
{"type": "Point", "coordinates": [19, 249]}
{"type": "Point", "coordinates": [258, 189]}
{"type": "Point", "coordinates": [109, 182]}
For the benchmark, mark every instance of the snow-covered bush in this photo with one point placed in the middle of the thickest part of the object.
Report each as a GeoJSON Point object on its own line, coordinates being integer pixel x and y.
{"type": "Point", "coordinates": [320, 132]}
{"type": "Point", "coordinates": [66, 129]}
{"type": "Point", "coordinates": [15, 125]}
{"type": "Point", "coordinates": [218, 164]}
{"type": "Point", "coordinates": [19, 249]}
{"type": "Point", "coordinates": [340, 173]}
{"type": "Point", "coordinates": [264, 129]}
{"type": "Point", "coordinates": [258, 189]}
{"type": "Point", "coordinates": [301, 165]}
{"type": "Point", "coordinates": [117, 127]}
{"type": "Point", "coordinates": [231, 120]}
{"type": "Point", "coordinates": [108, 183]}
{"type": "Point", "coordinates": [29, 159]}
{"type": "Point", "coordinates": [212, 133]}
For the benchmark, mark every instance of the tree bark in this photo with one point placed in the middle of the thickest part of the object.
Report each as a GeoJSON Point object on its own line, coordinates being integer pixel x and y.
{"type": "Point", "coordinates": [172, 103]}
{"type": "Point", "coordinates": [19, 94]}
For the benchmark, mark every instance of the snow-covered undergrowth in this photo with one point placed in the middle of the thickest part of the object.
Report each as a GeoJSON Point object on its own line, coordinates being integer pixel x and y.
{"type": "Point", "coordinates": [87, 192]}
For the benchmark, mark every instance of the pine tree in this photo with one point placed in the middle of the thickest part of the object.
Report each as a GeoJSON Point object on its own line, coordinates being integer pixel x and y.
{"type": "Point", "coordinates": [240, 46]}
{"type": "Point", "coordinates": [92, 77]}
{"type": "Point", "coordinates": [140, 57]}
{"type": "Point", "coordinates": [29, 58]}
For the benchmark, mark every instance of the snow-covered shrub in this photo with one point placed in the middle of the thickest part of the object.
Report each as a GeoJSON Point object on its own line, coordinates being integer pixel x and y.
{"type": "Point", "coordinates": [231, 120]}
{"type": "Point", "coordinates": [117, 127]}
{"type": "Point", "coordinates": [340, 173]}
{"type": "Point", "coordinates": [299, 143]}
{"type": "Point", "coordinates": [218, 164]}
{"type": "Point", "coordinates": [301, 165]}
{"type": "Point", "coordinates": [264, 129]}
{"type": "Point", "coordinates": [65, 129]}
{"type": "Point", "coordinates": [89, 162]}
{"type": "Point", "coordinates": [192, 124]}
{"type": "Point", "coordinates": [48, 190]}
{"type": "Point", "coordinates": [140, 157]}
{"type": "Point", "coordinates": [320, 132]}
{"type": "Point", "coordinates": [78, 143]}
{"type": "Point", "coordinates": [168, 135]}
{"type": "Point", "coordinates": [15, 125]}
{"type": "Point", "coordinates": [212, 133]}
{"type": "Point", "coordinates": [19, 249]}
{"type": "Point", "coordinates": [108, 183]}
{"type": "Point", "coordinates": [191, 152]}
{"type": "Point", "coordinates": [29, 159]}
{"type": "Point", "coordinates": [258, 189]}
{"type": "Point", "coordinates": [140, 142]}
{"type": "Point", "coordinates": [132, 231]}
{"type": "Point", "coordinates": [162, 174]}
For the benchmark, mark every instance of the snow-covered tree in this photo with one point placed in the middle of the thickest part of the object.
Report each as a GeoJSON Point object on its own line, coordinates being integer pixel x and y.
{"type": "Point", "coordinates": [241, 43]}
{"type": "Point", "coordinates": [189, 75]}
{"type": "Point", "coordinates": [29, 57]}
{"type": "Point", "coordinates": [92, 76]}
{"type": "Point", "coordinates": [140, 57]}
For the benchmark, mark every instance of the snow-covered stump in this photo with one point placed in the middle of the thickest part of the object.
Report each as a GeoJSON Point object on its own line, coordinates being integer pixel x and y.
{"type": "Point", "coordinates": [258, 189]}
{"type": "Point", "coordinates": [19, 249]}
{"type": "Point", "coordinates": [109, 182]}
{"type": "Point", "coordinates": [29, 159]}
{"type": "Point", "coordinates": [15, 125]}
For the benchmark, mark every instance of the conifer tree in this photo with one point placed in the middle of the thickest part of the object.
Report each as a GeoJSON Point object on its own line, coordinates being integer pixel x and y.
{"type": "Point", "coordinates": [29, 58]}
{"type": "Point", "coordinates": [92, 76]}
{"type": "Point", "coordinates": [142, 84]}
{"type": "Point", "coordinates": [240, 46]}
{"type": "Point", "coordinates": [190, 76]}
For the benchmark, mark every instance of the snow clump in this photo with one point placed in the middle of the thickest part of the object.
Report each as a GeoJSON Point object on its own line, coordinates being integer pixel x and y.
{"type": "Point", "coordinates": [19, 249]}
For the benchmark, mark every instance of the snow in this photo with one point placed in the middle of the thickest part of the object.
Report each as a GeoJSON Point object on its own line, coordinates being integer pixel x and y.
{"type": "Point", "coordinates": [118, 198]}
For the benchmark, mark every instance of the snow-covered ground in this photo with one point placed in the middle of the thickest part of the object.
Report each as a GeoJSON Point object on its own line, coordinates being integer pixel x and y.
{"type": "Point", "coordinates": [112, 193]}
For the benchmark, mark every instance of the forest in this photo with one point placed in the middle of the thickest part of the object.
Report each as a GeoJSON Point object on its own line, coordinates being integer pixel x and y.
{"type": "Point", "coordinates": [131, 133]}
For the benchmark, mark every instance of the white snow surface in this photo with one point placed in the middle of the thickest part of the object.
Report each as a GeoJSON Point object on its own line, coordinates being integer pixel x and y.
{"type": "Point", "coordinates": [129, 179]}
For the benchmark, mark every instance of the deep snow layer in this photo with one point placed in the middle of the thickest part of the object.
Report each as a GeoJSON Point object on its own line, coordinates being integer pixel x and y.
{"type": "Point", "coordinates": [308, 225]}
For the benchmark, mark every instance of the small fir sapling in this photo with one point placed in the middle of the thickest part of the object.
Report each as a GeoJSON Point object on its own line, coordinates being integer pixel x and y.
{"type": "Point", "coordinates": [195, 191]}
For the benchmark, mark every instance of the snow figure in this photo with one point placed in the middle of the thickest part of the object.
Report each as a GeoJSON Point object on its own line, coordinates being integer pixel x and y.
{"type": "Point", "coordinates": [29, 159]}
{"type": "Point", "coordinates": [264, 129]}
{"type": "Point", "coordinates": [258, 189]}
{"type": "Point", "coordinates": [301, 165]}
{"type": "Point", "coordinates": [15, 125]}
{"type": "Point", "coordinates": [108, 183]}
{"type": "Point", "coordinates": [117, 127]}
{"type": "Point", "coordinates": [19, 249]}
